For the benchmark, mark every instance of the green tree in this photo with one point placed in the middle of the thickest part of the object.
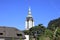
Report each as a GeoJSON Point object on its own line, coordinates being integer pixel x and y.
{"type": "Point", "coordinates": [57, 36]}
{"type": "Point", "coordinates": [37, 29]}
{"type": "Point", "coordinates": [53, 24]}
{"type": "Point", "coordinates": [49, 33]}
{"type": "Point", "coordinates": [26, 32]}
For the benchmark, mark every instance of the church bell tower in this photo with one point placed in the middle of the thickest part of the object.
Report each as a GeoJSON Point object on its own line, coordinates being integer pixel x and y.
{"type": "Point", "coordinates": [29, 20]}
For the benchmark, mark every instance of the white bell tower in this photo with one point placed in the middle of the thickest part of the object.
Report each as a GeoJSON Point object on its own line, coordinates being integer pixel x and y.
{"type": "Point", "coordinates": [29, 20]}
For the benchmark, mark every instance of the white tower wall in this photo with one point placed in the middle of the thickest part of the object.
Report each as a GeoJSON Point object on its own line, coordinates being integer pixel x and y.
{"type": "Point", "coordinates": [30, 24]}
{"type": "Point", "coordinates": [25, 24]}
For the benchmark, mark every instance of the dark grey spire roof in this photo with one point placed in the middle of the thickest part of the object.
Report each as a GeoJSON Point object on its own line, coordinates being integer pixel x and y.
{"type": "Point", "coordinates": [29, 18]}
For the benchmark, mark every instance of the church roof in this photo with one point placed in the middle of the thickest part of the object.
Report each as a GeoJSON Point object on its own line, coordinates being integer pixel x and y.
{"type": "Point", "coordinates": [10, 32]}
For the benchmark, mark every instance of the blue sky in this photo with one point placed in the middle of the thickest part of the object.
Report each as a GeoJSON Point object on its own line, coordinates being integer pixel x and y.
{"type": "Point", "coordinates": [13, 12]}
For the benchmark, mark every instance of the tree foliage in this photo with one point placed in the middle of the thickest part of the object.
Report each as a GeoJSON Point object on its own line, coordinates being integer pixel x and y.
{"type": "Point", "coordinates": [52, 32]}
{"type": "Point", "coordinates": [37, 30]}
{"type": "Point", "coordinates": [58, 34]}
{"type": "Point", "coordinates": [26, 32]}
{"type": "Point", "coordinates": [48, 33]}
{"type": "Point", "coordinates": [53, 24]}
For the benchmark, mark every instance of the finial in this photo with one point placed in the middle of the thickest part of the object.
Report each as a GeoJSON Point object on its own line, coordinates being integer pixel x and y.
{"type": "Point", "coordinates": [29, 9]}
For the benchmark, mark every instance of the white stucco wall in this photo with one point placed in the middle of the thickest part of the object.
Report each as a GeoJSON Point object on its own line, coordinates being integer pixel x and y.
{"type": "Point", "coordinates": [30, 23]}
{"type": "Point", "coordinates": [27, 37]}
{"type": "Point", "coordinates": [2, 39]}
{"type": "Point", "coordinates": [25, 24]}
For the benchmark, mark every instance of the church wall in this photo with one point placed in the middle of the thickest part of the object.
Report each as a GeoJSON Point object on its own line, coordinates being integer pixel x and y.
{"type": "Point", "coordinates": [25, 24]}
{"type": "Point", "coordinates": [27, 37]}
{"type": "Point", "coordinates": [30, 24]}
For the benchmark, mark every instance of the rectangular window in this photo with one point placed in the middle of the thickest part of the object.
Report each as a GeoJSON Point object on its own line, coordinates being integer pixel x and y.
{"type": "Point", "coordinates": [19, 34]}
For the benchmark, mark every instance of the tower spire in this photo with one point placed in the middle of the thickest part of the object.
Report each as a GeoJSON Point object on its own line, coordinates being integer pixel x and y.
{"type": "Point", "coordinates": [29, 12]}
{"type": "Point", "coordinates": [29, 20]}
